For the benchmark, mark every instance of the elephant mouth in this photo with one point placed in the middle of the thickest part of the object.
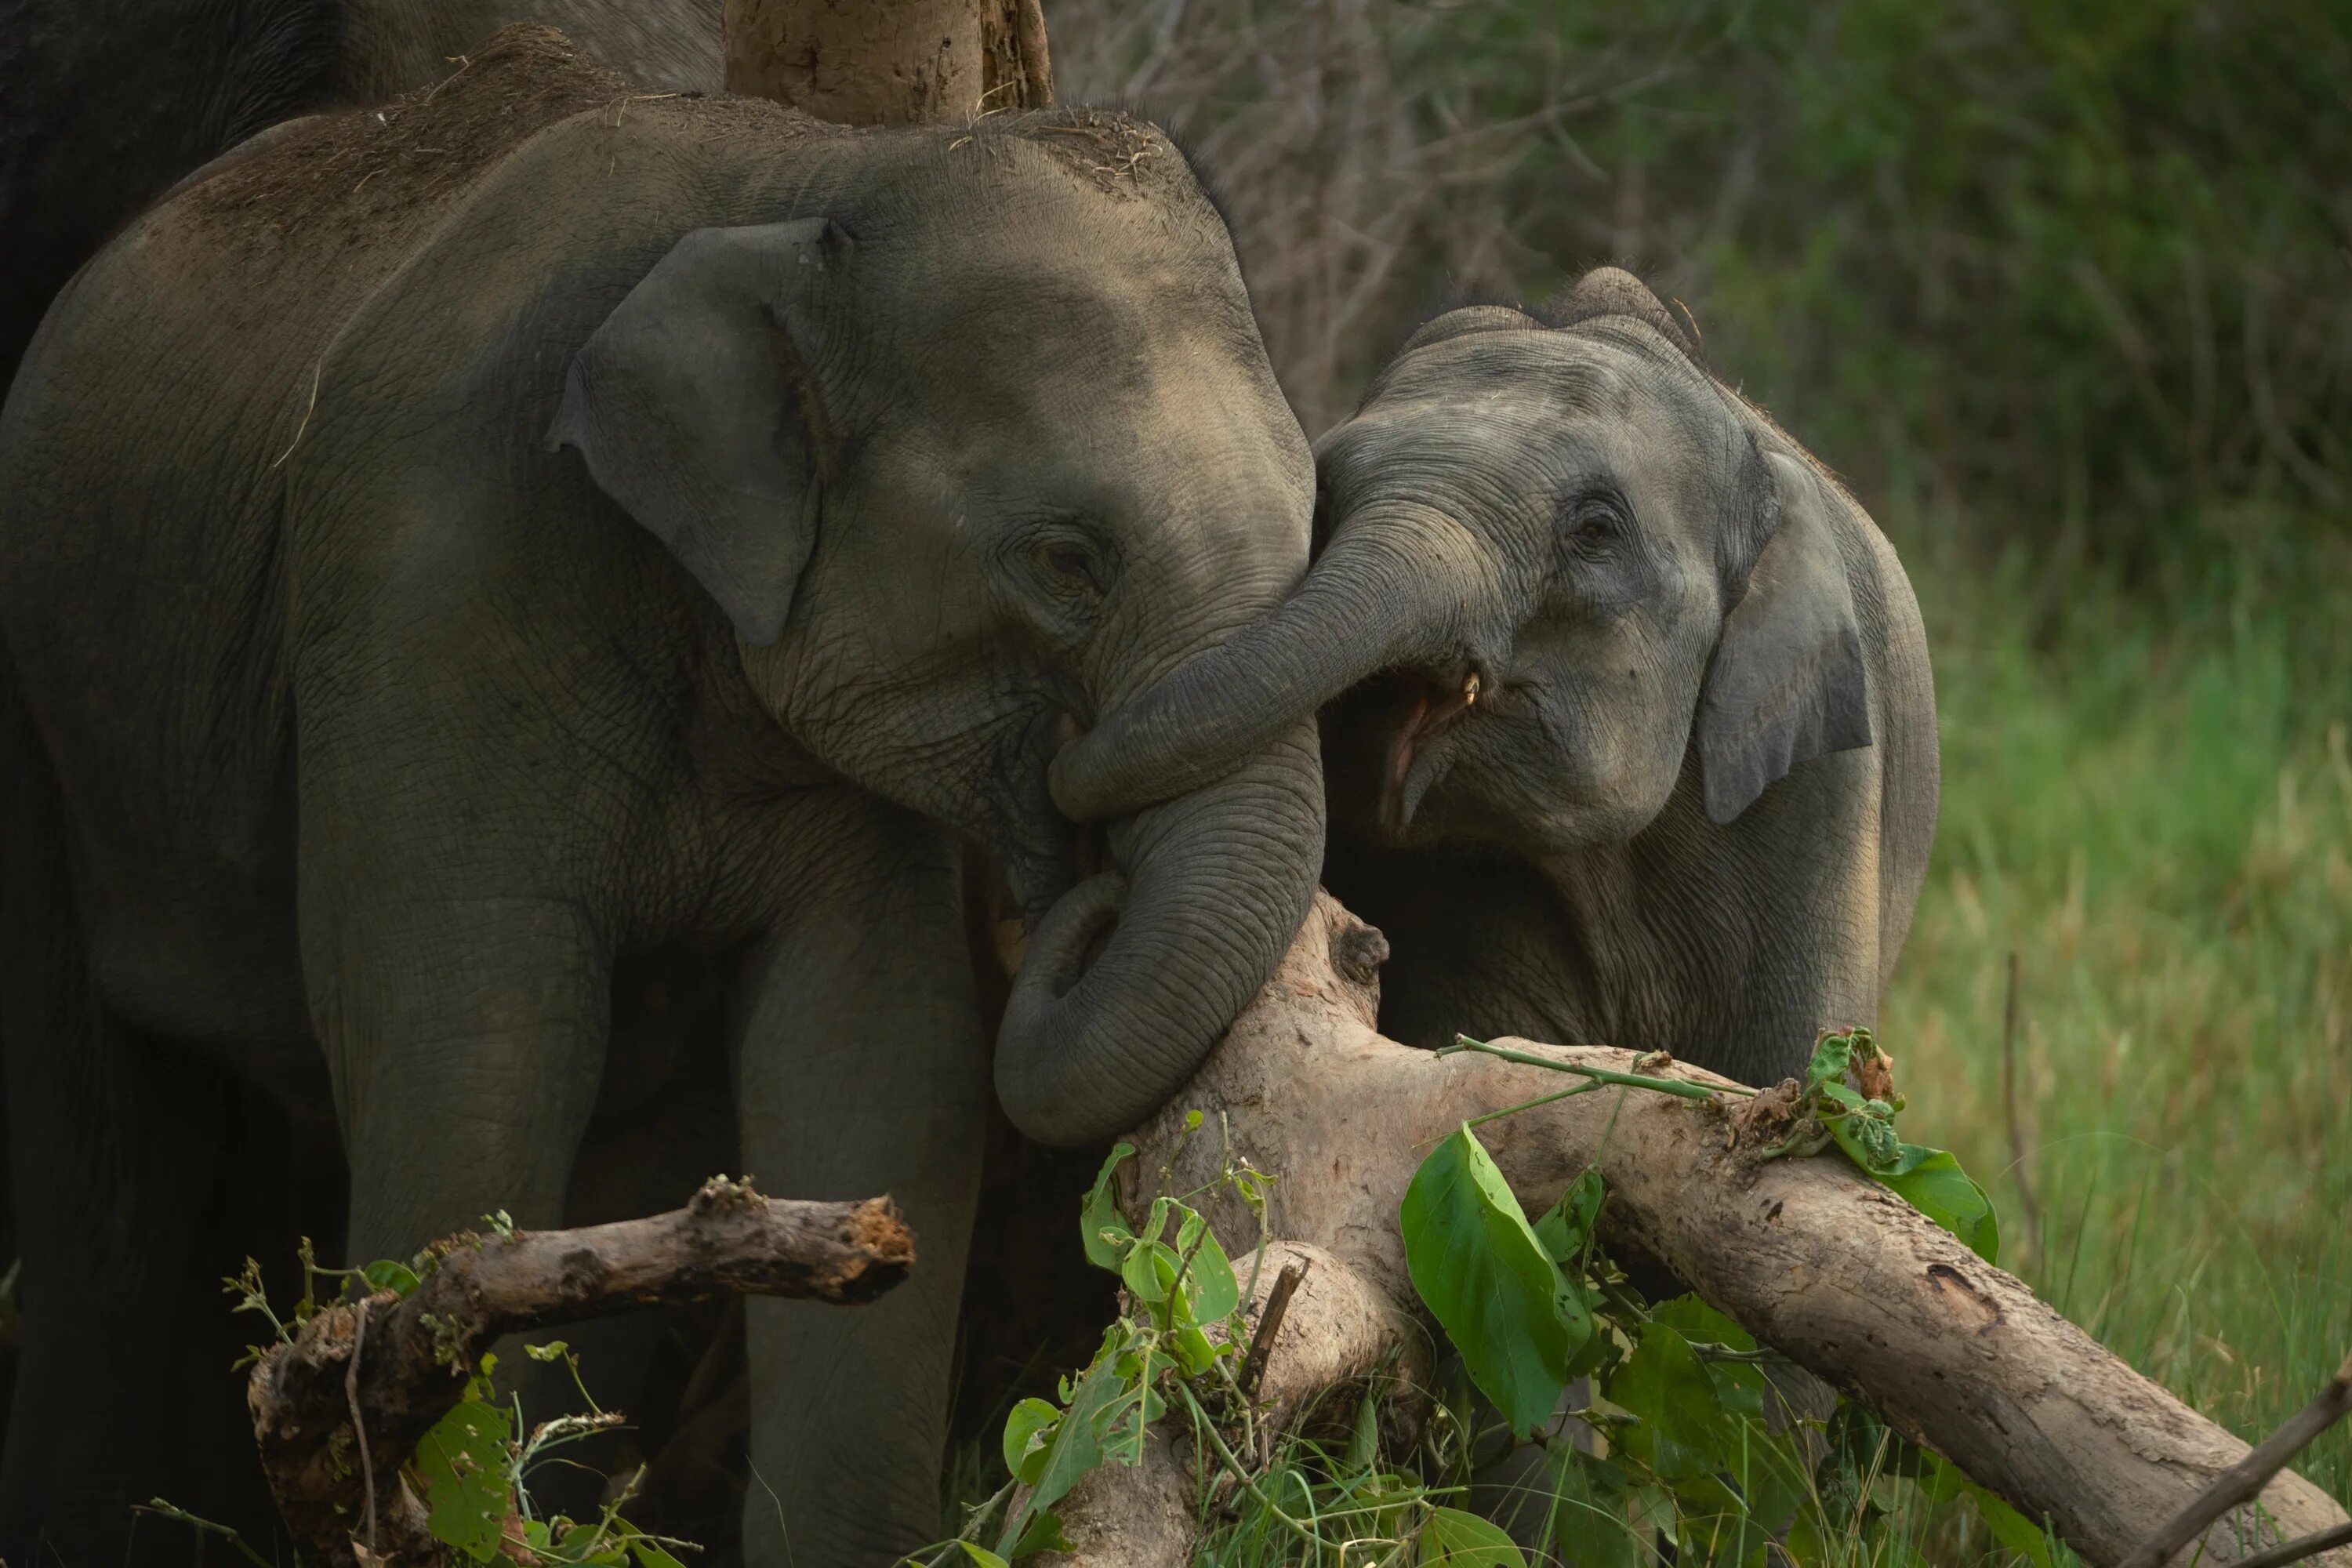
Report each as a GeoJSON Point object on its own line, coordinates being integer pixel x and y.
{"type": "Point", "coordinates": [1425, 707]}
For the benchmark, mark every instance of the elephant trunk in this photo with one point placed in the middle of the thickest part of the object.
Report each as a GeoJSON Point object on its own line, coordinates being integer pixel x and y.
{"type": "Point", "coordinates": [1386, 593]}
{"type": "Point", "coordinates": [1216, 884]}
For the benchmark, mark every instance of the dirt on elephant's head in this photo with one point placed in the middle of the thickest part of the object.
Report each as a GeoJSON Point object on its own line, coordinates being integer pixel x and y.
{"type": "Point", "coordinates": [360, 170]}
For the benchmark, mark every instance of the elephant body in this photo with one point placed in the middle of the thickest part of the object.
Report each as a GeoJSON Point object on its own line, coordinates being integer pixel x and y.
{"type": "Point", "coordinates": [453, 558]}
{"type": "Point", "coordinates": [104, 103]}
{"type": "Point", "coordinates": [1629, 731]}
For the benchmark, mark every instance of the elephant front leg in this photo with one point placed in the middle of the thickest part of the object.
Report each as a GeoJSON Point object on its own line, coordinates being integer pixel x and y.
{"type": "Point", "coordinates": [863, 1069]}
{"type": "Point", "coordinates": [466, 1039]}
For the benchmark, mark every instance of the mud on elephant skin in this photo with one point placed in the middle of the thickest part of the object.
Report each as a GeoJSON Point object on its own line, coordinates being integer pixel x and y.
{"type": "Point", "coordinates": [641, 528]}
{"type": "Point", "coordinates": [1630, 730]}
{"type": "Point", "coordinates": [107, 103]}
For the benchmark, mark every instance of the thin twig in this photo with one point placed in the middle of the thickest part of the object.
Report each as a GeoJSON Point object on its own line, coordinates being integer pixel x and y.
{"type": "Point", "coordinates": [1269, 1324]}
{"type": "Point", "coordinates": [1676, 1087]}
{"type": "Point", "coordinates": [316, 370]}
{"type": "Point", "coordinates": [2247, 1478]}
{"type": "Point", "coordinates": [2301, 1547]}
{"type": "Point", "coordinates": [359, 1424]}
{"type": "Point", "coordinates": [2029, 1211]}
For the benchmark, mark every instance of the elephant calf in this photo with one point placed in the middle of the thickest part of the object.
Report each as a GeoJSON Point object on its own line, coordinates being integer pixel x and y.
{"type": "Point", "coordinates": [448, 553]}
{"type": "Point", "coordinates": [1631, 735]}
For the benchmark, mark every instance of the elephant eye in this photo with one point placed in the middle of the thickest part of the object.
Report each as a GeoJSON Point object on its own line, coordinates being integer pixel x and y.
{"type": "Point", "coordinates": [1593, 524]}
{"type": "Point", "coordinates": [1074, 565]}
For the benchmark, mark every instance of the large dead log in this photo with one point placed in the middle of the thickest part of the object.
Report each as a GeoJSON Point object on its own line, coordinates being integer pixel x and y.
{"type": "Point", "coordinates": [1809, 1255]}
{"type": "Point", "coordinates": [337, 1411]}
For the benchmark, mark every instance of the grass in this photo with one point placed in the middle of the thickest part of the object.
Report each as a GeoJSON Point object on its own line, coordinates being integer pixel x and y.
{"type": "Point", "coordinates": [2157, 819]}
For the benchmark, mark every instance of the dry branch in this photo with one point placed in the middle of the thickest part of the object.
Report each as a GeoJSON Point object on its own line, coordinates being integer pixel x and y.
{"type": "Point", "coordinates": [2249, 1475]}
{"type": "Point", "coordinates": [1809, 1255]}
{"type": "Point", "coordinates": [369, 1379]}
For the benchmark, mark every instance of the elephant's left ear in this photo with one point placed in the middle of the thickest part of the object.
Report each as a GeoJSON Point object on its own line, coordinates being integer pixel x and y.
{"type": "Point", "coordinates": [691, 407]}
{"type": "Point", "coordinates": [1787, 682]}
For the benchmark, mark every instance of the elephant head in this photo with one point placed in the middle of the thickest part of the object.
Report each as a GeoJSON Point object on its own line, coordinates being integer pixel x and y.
{"type": "Point", "coordinates": [981, 443]}
{"type": "Point", "coordinates": [1572, 559]}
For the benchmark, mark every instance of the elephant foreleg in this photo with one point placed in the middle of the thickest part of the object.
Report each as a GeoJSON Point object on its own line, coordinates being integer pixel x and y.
{"type": "Point", "coordinates": [465, 1039]}
{"type": "Point", "coordinates": [863, 1069]}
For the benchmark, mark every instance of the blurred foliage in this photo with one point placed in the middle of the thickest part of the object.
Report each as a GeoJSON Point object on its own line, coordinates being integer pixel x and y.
{"type": "Point", "coordinates": [2077, 274]}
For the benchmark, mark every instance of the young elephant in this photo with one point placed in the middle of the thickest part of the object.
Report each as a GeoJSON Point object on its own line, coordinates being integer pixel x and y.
{"type": "Point", "coordinates": [1645, 748]}
{"type": "Point", "coordinates": [449, 554]}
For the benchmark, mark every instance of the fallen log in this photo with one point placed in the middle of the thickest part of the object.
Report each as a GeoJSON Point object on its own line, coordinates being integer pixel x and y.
{"type": "Point", "coordinates": [1809, 1255]}
{"type": "Point", "coordinates": [338, 1410]}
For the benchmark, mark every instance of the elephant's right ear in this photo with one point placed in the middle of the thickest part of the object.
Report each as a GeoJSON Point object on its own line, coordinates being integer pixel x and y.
{"type": "Point", "coordinates": [691, 407]}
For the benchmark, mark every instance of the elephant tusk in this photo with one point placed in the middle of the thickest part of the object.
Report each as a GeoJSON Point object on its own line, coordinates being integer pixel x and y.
{"type": "Point", "coordinates": [1470, 690]}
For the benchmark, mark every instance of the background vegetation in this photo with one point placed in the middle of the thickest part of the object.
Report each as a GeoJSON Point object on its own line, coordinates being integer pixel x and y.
{"type": "Point", "coordinates": [2065, 291]}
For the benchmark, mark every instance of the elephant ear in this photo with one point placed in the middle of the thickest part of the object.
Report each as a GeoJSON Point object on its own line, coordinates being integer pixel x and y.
{"type": "Point", "coordinates": [1786, 683]}
{"type": "Point", "coordinates": [692, 409]}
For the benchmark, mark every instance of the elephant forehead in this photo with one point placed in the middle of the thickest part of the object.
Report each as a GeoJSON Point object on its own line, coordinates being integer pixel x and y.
{"type": "Point", "coordinates": [1525, 403]}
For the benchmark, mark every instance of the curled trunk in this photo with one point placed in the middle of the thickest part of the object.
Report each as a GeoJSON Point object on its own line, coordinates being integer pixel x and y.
{"type": "Point", "coordinates": [1218, 880]}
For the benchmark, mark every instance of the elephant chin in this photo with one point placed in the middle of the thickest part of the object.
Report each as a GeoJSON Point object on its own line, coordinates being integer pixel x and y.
{"type": "Point", "coordinates": [1213, 886]}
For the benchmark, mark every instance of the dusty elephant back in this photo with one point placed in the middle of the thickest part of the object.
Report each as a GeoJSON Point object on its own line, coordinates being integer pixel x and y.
{"type": "Point", "coordinates": [151, 451]}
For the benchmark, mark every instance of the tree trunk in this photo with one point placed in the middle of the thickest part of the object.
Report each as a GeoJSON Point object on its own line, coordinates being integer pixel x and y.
{"type": "Point", "coordinates": [1809, 1255]}
{"type": "Point", "coordinates": [890, 62]}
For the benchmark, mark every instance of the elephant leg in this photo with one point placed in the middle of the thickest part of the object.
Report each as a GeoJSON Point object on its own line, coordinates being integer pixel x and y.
{"type": "Point", "coordinates": [862, 1070]}
{"type": "Point", "coordinates": [465, 1040]}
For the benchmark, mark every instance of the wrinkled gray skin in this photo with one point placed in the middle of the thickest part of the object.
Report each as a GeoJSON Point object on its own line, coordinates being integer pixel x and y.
{"type": "Point", "coordinates": [655, 544]}
{"type": "Point", "coordinates": [1691, 804]}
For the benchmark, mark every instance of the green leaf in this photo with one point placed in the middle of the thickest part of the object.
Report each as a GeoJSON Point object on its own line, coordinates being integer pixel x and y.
{"type": "Point", "coordinates": [1587, 1521]}
{"type": "Point", "coordinates": [552, 1351]}
{"type": "Point", "coordinates": [1149, 1270]}
{"type": "Point", "coordinates": [1075, 1447]}
{"type": "Point", "coordinates": [1100, 1214]}
{"type": "Point", "coordinates": [462, 1460]}
{"type": "Point", "coordinates": [1043, 1534]}
{"type": "Point", "coordinates": [383, 1274]}
{"type": "Point", "coordinates": [1462, 1539]}
{"type": "Point", "coordinates": [1832, 1054]}
{"type": "Point", "coordinates": [1931, 1181]}
{"type": "Point", "coordinates": [1028, 1430]}
{"type": "Point", "coordinates": [1567, 1225]}
{"type": "Point", "coordinates": [1942, 1481]}
{"type": "Point", "coordinates": [1209, 1280]}
{"type": "Point", "coordinates": [649, 1554]}
{"type": "Point", "coordinates": [1502, 1301]}
{"type": "Point", "coordinates": [1194, 1350]}
{"type": "Point", "coordinates": [982, 1555]}
{"type": "Point", "coordinates": [1681, 1428]}
{"type": "Point", "coordinates": [1867, 1136]}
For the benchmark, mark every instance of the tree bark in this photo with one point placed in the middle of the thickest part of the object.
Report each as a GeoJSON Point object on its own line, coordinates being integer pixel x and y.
{"type": "Point", "coordinates": [890, 62]}
{"type": "Point", "coordinates": [1809, 1255]}
{"type": "Point", "coordinates": [400, 1363]}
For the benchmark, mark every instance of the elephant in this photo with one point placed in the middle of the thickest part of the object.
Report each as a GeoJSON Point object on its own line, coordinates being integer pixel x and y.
{"type": "Point", "coordinates": [105, 103]}
{"type": "Point", "coordinates": [450, 555]}
{"type": "Point", "coordinates": [1629, 727]}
